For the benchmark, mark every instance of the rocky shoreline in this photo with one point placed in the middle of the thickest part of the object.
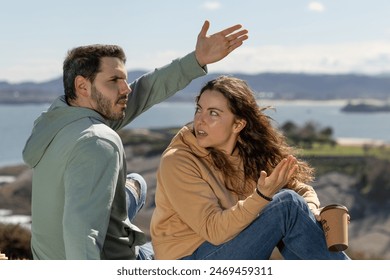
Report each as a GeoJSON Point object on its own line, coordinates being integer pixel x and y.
{"type": "Point", "coordinates": [369, 230]}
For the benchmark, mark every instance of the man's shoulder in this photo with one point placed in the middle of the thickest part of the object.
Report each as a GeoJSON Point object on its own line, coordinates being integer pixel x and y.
{"type": "Point", "coordinates": [86, 129]}
{"type": "Point", "coordinates": [102, 131]}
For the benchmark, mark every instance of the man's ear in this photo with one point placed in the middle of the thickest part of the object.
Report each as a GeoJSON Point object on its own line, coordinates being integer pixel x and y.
{"type": "Point", "coordinates": [82, 86]}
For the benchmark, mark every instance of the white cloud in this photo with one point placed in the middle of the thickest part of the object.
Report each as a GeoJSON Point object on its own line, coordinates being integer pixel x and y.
{"type": "Point", "coordinates": [211, 5]}
{"type": "Point", "coordinates": [360, 58]}
{"type": "Point", "coordinates": [363, 58]}
{"type": "Point", "coordinates": [35, 70]}
{"type": "Point", "coordinates": [387, 32]}
{"type": "Point", "coordinates": [316, 7]}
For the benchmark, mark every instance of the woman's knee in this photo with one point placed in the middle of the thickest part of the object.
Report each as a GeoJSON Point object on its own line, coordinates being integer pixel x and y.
{"type": "Point", "coordinates": [288, 196]}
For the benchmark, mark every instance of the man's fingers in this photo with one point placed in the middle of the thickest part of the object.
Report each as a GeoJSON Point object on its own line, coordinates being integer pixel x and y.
{"type": "Point", "coordinates": [234, 44]}
{"type": "Point", "coordinates": [231, 29]}
{"type": "Point", "coordinates": [239, 36]}
{"type": "Point", "coordinates": [205, 28]}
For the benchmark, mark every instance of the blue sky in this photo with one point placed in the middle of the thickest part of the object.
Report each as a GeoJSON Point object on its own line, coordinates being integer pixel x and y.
{"type": "Point", "coordinates": [327, 36]}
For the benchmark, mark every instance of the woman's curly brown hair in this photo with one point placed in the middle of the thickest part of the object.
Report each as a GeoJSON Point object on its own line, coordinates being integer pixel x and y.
{"type": "Point", "coordinates": [260, 144]}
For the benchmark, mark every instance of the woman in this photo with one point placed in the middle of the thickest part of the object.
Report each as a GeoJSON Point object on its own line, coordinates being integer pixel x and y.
{"type": "Point", "coordinates": [229, 187]}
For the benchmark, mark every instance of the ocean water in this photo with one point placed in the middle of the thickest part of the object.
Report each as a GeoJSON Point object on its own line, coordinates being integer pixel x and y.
{"type": "Point", "coordinates": [16, 121]}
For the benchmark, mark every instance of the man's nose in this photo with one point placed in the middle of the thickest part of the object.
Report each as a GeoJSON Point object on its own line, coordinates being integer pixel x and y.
{"type": "Point", "coordinates": [125, 88]}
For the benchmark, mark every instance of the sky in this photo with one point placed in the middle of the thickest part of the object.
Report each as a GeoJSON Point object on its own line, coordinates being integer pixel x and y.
{"type": "Point", "coordinates": [298, 36]}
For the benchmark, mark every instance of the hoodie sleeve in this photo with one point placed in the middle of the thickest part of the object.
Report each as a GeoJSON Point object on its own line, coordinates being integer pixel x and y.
{"type": "Point", "coordinates": [90, 181]}
{"type": "Point", "coordinates": [156, 86]}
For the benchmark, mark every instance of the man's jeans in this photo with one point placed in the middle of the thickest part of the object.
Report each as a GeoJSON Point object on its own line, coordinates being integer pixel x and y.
{"type": "Point", "coordinates": [286, 223]}
{"type": "Point", "coordinates": [135, 203]}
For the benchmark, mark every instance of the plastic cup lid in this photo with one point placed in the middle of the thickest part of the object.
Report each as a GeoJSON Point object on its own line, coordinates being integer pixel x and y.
{"type": "Point", "coordinates": [335, 205]}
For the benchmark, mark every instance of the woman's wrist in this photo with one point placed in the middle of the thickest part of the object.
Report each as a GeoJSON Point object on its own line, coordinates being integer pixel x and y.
{"type": "Point", "coordinates": [262, 195]}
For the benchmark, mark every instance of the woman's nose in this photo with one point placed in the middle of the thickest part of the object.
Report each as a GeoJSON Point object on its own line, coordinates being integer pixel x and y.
{"type": "Point", "coordinates": [199, 118]}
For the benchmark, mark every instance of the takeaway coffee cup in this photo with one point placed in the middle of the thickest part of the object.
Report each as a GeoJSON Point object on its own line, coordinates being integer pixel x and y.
{"type": "Point", "coordinates": [334, 219]}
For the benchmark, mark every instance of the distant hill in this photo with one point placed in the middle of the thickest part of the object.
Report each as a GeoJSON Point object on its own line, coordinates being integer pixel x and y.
{"type": "Point", "coordinates": [284, 86]}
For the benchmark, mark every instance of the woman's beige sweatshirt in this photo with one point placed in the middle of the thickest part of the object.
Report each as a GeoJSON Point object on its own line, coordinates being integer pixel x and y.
{"type": "Point", "coordinates": [193, 205]}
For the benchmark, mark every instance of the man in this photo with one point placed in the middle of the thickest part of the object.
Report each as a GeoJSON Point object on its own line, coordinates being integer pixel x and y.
{"type": "Point", "coordinates": [79, 191]}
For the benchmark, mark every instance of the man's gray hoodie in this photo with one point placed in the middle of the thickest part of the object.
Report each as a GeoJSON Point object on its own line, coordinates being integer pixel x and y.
{"type": "Point", "coordinates": [79, 172]}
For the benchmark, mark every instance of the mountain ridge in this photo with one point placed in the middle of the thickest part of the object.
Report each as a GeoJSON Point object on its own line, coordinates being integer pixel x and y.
{"type": "Point", "coordinates": [283, 86]}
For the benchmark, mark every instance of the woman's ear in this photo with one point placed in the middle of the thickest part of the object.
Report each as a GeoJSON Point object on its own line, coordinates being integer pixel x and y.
{"type": "Point", "coordinates": [239, 125]}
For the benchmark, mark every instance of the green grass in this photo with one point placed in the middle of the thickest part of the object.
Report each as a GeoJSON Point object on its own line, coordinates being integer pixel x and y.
{"type": "Point", "coordinates": [380, 152]}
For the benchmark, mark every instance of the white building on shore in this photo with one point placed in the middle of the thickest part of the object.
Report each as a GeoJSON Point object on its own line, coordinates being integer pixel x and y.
{"type": "Point", "coordinates": [6, 217]}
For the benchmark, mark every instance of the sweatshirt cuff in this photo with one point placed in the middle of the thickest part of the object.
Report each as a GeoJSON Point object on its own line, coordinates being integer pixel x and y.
{"type": "Point", "coordinates": [191, 65]}
{"type": "Point", "coordinates": [254, 204]}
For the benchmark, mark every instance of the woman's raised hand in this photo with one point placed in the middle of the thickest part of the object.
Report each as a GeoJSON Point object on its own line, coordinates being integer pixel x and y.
{"type": "Point", "coordinates": [280, 176]}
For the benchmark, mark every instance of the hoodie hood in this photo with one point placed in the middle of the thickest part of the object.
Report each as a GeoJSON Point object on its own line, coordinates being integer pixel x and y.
{"type": "Point", "coordinates": [185, 140]}
{"type": "Point", "coordinates": [49, 123]}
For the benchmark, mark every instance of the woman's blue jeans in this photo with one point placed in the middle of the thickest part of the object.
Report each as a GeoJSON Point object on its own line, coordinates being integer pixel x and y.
{"type": "Point", "coordinates": [286, 223]}
{"type": "Point", "coordinates": [135, 203]}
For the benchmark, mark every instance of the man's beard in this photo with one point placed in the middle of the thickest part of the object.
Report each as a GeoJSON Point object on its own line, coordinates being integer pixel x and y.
{"type": "Point", "coordinates": [104, 106]}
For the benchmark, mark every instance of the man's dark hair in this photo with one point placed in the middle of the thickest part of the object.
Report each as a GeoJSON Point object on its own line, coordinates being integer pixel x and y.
{"type": "Point", "coordinates": [85, 61]}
